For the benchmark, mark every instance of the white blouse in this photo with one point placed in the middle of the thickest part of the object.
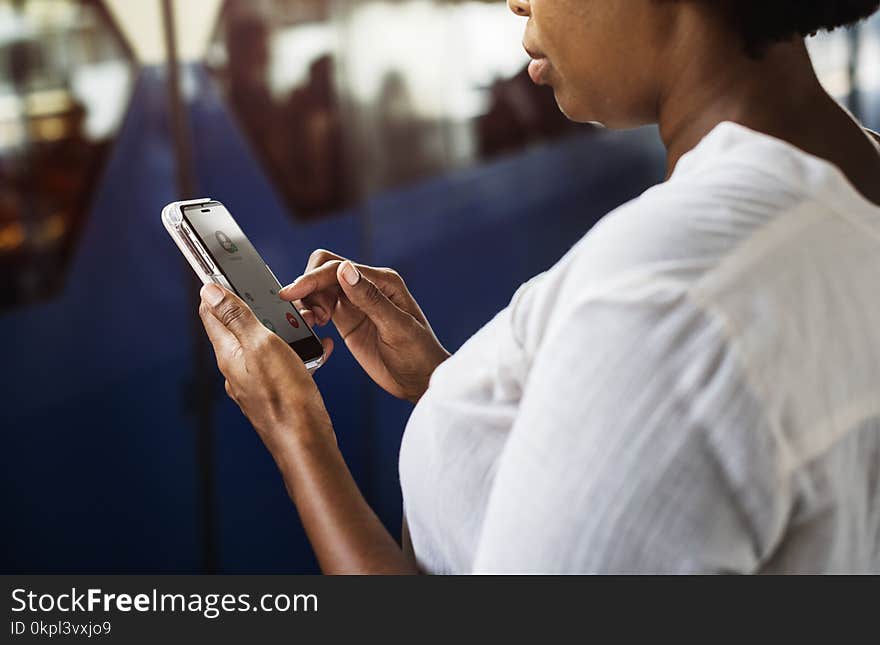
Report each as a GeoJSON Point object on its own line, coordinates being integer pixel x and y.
{"type": "Point", "coordinates": [694, 387]}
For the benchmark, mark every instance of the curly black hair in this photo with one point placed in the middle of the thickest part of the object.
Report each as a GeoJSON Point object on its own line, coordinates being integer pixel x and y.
{"type": "Point", "coordinates": [764, 22]}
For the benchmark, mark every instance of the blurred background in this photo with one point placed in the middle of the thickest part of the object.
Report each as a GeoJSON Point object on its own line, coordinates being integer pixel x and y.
{"type": "Point", "coordinates": [402, 133]}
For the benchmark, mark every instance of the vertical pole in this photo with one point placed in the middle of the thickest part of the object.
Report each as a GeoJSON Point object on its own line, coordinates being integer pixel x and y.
{"type": "Point", "coordinates": [353, 115]}
{"type": "Point", "coordinates": [200, 394]}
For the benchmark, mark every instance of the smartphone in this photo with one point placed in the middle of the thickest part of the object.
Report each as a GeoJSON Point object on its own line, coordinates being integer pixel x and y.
{"type": "Point", "coordinates": [220, 253]}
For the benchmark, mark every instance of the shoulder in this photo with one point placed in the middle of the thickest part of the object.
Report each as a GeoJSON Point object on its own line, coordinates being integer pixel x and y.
{"type": "Point", "coordinates": [690, 223]}
{"type": "Point", "coordinates": [671, 236]}
{"type": "Point", "coordinates": [726, 194]}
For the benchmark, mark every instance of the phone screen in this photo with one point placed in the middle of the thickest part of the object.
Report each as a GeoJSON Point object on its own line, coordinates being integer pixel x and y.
{"type": "Point", "coordinates": [249, 276]}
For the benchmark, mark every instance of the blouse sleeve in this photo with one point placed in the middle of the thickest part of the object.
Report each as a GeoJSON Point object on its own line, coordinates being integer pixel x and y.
{"type": "Point", "coordinates": [638, 448]}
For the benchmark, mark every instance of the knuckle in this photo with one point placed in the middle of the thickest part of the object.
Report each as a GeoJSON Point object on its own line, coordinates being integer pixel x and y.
{"type": "Point", "coordinates": [319, 257]}
{"type": "Point", "coordinates": [230, 313]}
{"type": "Point", "coordinates": [264, 342]}
{"type": "Point", "coordinates": [390, 279]}
{"type": "Point", "coordinates": [373, 295]}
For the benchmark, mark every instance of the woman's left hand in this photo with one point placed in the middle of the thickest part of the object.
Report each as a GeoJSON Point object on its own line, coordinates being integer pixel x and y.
{"type": "Point", "coordinates": [264, 376]}
{"type": "Point", "coordinates": [277, 394]}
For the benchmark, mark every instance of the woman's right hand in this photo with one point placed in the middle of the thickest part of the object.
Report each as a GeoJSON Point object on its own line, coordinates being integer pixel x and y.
{"type": "Point", "coordinates": [380, 322]}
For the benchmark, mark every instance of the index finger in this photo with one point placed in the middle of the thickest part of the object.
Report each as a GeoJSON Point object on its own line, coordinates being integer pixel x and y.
{"type": "Point", "coordinates": [321, 256]}
{"type": "Point", "coordinates": [324, 277]}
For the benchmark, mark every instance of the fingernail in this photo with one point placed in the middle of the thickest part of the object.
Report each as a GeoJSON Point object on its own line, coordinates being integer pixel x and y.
{"type": "Point", "coordinates": [350, 273]}
{"type": "Point", "coordinates": [320, 314]}
{"type": "Point", "coordinates": [212, 294]}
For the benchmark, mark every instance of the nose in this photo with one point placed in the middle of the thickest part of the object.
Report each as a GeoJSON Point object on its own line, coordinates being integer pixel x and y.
{"type": "Point", "coordinates": [520, 7]}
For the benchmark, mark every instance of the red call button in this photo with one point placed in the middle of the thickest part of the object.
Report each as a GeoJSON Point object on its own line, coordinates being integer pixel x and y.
{"type": "Point", "coordinates": [292, 320]}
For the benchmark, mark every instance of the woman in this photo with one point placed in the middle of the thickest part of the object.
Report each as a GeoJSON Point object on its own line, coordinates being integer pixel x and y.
{"type": "Point", "coordinates": [694, 387]}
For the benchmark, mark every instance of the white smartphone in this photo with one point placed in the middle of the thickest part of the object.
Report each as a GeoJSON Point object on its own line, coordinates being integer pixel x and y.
{"type": "Point", "coordinates": [220, 253]}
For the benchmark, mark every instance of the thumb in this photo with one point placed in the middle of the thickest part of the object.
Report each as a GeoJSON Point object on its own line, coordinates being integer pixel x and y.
{"type": "Point", "coordinates": [367, 297]}
{"type": "Point", "coordinates": [233, 313]}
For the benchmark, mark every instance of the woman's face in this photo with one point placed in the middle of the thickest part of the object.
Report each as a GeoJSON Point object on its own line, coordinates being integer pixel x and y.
{"type": "Point", "coordinates": [602, 57]}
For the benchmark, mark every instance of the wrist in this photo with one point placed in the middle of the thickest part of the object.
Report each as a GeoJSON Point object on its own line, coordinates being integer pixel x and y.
{"type": "Point", "coordinates": [293, 447]}
{"type": "Point", "coordinates": [433, 363]}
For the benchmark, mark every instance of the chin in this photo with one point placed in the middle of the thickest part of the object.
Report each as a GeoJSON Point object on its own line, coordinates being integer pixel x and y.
{"type": "Point", "coordinates": [575, 110]}
{"type": "Point", "coordinates": [580, 114]}
{"type": "Point", "coordinates": [581, 109]}
{"type": "Point", "coordinates": [576, 113]}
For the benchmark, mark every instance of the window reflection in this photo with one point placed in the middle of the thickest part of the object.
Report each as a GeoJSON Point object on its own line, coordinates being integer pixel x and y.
{"type": "Point", "coordinates": [847, 62]}
{"type": "Point", "coordinates": [343, 99]}
{"type": "Point", "coordinates": [276, 64]}
{"type": "Point", "coordinates": [65, 78]}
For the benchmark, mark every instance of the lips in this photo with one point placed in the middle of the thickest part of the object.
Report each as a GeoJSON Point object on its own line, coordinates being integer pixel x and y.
{"type": "Point", "coordinates": [538, 71]}
{"type": "Point", "coordinates": [539, 67]}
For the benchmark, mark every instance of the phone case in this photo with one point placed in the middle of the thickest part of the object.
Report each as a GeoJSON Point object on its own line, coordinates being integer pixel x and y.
{"type": "Point", "coordinates": [198, 258]}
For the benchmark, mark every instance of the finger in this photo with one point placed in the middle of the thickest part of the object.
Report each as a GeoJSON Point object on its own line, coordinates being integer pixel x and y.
{"type": "Point", "coordinates": [324, 278]}
{"type": "Point", "coordinates": [366, 296]}
{"type": "Point", "coordinates": [313, 280]}
{"type": "Point", "coordinates": [317, 290]}
{"type": "Point", "coordinates": [332, 305]}
{"type": "Point", "coordinates": [390, 283]}
{"type": "Point", "coordinates": [323, 303]}
{"type": "Point", "coordinates": [233, 314]}
{"type": "Point", "coordinates": [328, 348]}
{"type": "Point", "coordinates": [327, 300]}
{"type": "Point", "coordinates": [309, 316]}
{"type": "Point", "coordinates": [322, 308]}
{"type": "Point", "coordinates": [313, 318]}
{"type": "Point", "coordinates": [227, 349]}
{"type": "Point", "coordinates": [345, 316]}
{"type": "Point", "coordinates": [319, 257]}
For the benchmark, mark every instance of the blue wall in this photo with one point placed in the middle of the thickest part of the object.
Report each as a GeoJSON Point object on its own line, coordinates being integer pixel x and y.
{"type": "Point", "coordinates": [99, 464]}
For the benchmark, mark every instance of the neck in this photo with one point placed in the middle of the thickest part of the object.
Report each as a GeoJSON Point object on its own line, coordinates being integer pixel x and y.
{"type": "Point", "coordinates": [721, 83]}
